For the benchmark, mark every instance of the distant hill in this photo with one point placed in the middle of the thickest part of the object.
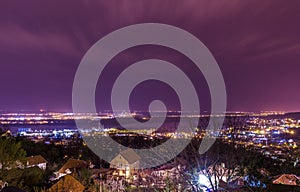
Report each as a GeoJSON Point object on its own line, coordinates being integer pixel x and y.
{"type": "Point", "coordinates": [293, 115]}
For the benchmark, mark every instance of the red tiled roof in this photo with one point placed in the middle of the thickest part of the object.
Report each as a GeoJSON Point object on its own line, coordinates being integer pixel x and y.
{"type": "Point", "coordinates": [67, 183]}
{"type": "Point", "coordinates": [35, 160]}
{"type": "Point", "coordinates": [71, 164]}
{"type": "Point", "coordinates": [288, 179]}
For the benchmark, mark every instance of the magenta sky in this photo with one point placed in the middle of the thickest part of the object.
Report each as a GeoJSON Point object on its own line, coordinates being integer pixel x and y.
{"type": "Point", "coordinates": [256, 43]}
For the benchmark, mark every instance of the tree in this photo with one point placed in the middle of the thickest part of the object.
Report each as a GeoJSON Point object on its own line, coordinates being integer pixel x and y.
{"type": "Point", "coordinates": [26, 179]}
{"type": "Point", "coordinates": [296, 154]}
{"type": "Point", "coordinates": [12, 161]}
{"type": "Point", "coordinates": [85, 177]}
{"type": "Point", "coordinates": [10, 153]}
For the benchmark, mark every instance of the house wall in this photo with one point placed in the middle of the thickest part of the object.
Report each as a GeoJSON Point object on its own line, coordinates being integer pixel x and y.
{"type": "Point", "coordinates": [135, 165]}
{"type": "Point", "coordinates": [120, 163]}
{"type": "Point", "coordinates": [42, 166]}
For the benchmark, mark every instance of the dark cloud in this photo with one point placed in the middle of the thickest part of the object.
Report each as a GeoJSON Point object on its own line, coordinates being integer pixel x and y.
{"type": "Point", "coordinates": [256, 44]}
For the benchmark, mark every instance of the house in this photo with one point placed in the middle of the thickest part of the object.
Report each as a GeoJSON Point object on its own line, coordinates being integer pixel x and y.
{"type": "Point", "coordinates": [170, 170]}
{"type": "Point", "coordinates": [71, 166]}
{"type": "Point", "coordinates": [68, 184]}
{"type": "Point", "coordinates": [102, 173]}
{"type": "Point", "coordinates": [37, 160]}
{"type": "Point", "coordinates": [127, 162]}
{"type": "Point", "coordinates": [287, 179]}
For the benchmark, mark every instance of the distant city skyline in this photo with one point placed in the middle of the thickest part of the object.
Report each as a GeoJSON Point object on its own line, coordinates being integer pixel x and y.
{"type": "Point", "coordinates": [256, 45]}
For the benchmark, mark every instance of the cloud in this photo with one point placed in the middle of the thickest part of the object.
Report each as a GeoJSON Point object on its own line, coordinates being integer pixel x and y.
{"type": "Point", "coordinates": [16, 38]}
{"type": "Point", "coordinates": [248, 38]}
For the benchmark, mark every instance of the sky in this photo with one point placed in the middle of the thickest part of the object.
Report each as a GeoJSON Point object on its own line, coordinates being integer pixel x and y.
{"type": "Point", "coordinates": [256, 44]}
